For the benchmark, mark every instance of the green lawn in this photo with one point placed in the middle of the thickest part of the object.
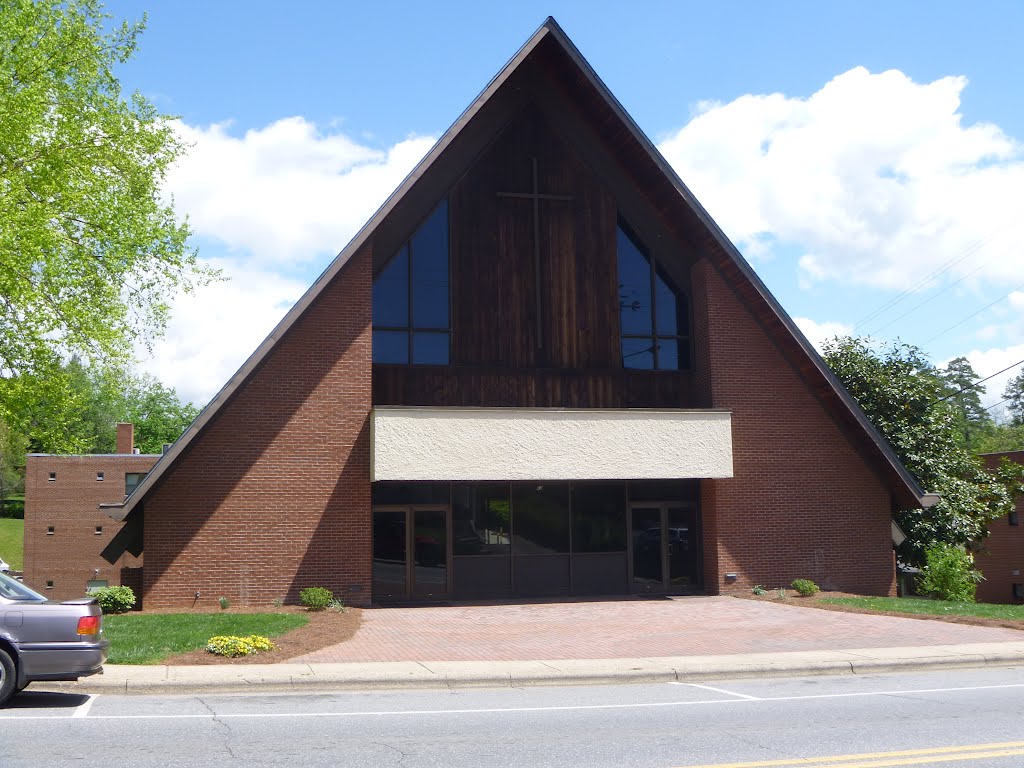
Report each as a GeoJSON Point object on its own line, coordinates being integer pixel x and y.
{"type": "Point", "coordinates": [932, 607]}
{"type": "Point", "coordinates": [149, 638]}
{"type": "Point", "coordinates": [12, 542]}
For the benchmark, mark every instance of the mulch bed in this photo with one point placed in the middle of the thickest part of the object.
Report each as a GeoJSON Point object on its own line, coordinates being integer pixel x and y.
{"type": "Point", "coordinates": [817, 601]}
{"type": "Point", "coordinates": [325, 628]}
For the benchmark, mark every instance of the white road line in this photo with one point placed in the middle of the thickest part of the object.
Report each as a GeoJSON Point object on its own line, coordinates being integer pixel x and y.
{"type": "Point", "coordinates": [82, 710]}
{"type": "Point", "coordinates": [501, 710]}
{"type": "Point", "coordinates": [722, 690]}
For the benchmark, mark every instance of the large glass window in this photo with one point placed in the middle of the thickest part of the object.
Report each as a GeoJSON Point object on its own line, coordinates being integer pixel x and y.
{"type": "Point", "coordinates": [481, 518]}
{"type": "Point", "coordinates": [410, 298]}
{"type": "Point", "coordinates": [654, 314]}
{"type": "Point", "coordinates": [540, 518]}
{"type": "Point", "coordinates": [599, 517]}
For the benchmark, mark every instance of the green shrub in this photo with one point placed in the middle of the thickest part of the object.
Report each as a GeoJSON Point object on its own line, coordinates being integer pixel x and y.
{"type": "Point", "coordinates": [949, 574]}
{"type": "Point", "coordinates": [115, 599]}
{"type": "Point", "coordinates": [805, 587]}
{"type": "Point", "coordinates": [233, 646]}
{"type": "Point", "coordinates": [224, 603]}
{"type": "Point", "coordinates": [316, 598]}
{"type": "Point", "coordinates": [759, 590]}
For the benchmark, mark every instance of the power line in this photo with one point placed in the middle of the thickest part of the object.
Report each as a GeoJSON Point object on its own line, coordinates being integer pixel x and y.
{"type": "Point", "coordinates": [971, 250]}
{"type": "Point", "coordinates": [930, 299]}
{"type": "Point", "coordinates": [980, 381]}
{"type": "Point", "coordinates": [975, 314]}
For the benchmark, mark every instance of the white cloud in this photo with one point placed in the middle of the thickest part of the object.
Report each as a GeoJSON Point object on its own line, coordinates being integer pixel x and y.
{"type": "Point", "coordinates": [213, 330]}
{"type": "Point", "coordinates": [287, 193]}
{"type": "Point", "coordinates": [875, 177]}
{"type": "Point", "coordinates": [818, 333]}
{"type": "Point", "coordinates": [276, 203]}
{"type": "Point", "coordinates": [986, 362]}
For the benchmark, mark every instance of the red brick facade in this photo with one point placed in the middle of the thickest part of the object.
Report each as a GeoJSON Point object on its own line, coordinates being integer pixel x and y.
{"type": "Point", "coordinates": [803, 502]}
{"type": "Point", "coordinates": [1001, 556]}
{"type": "Point", "coordinates": [276, 496]}
{"type": "Point", "coordinates": [69, 557]}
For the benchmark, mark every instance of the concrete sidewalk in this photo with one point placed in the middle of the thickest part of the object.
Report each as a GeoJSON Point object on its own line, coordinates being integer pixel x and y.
{"type": "Point", "coordinates": [278, 678]}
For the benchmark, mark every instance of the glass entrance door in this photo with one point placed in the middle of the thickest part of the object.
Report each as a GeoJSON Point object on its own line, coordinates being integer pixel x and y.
{"type": "Point", "coordinates": [665, 550]}
{"type": "Point", "coordinates": [410, 552]}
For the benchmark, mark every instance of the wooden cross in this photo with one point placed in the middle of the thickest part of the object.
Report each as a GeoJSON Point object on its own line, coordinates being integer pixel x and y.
{"type": "Point", "coordinates": [536, 196]}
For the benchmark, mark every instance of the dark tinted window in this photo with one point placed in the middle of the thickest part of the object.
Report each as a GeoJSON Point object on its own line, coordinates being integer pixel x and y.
{"type": "Point", "coordinates": [654, 314]}
{"type": "Point", "coordinates": [409, 493]}
{"type": "Point", "coordinates": [599, 517]}
{"type": "Point", "coordinates": [481, 519]}
{"type": "Point", "coordinates": [540, 518]}
{"type": "Point", "coordinates": [410, 298]}
{"type": "Point", "coordinates": [430, 271]}
{"type": "Point", "coordinates": [391, 292]}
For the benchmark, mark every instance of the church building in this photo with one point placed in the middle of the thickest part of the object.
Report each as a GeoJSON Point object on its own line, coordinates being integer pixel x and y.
{"type": "Point", "coordinates": [539, 370]}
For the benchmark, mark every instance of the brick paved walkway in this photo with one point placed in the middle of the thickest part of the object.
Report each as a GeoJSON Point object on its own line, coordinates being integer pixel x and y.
{"type": "Point", "coordinates": [692, 626]}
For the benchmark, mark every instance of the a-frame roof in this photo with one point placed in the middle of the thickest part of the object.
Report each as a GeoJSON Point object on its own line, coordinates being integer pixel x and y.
{"type": "Point", "coordinates": [673, 199]}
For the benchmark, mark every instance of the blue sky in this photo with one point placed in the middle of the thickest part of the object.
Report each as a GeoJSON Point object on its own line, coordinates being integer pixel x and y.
{"type": "Point", "coordinates": [849, 149]}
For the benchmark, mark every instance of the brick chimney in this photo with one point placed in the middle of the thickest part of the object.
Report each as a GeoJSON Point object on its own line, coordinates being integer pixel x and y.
{"type": "Point", "coordinates": [125, 438]}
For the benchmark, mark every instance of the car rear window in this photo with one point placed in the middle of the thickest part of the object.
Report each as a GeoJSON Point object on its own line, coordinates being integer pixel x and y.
{"type": "Point", "coordinates": [15, 590]}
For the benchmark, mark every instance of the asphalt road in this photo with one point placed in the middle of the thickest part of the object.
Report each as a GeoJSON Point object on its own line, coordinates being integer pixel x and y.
{"type": "Point", "coordinates": [955, 718]}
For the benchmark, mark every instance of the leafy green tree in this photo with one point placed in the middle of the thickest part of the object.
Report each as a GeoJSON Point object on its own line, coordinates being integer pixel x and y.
{"type": "Point", "coordinates": [902, 394]}
{"type": "Point", "coordinates": [90, 252]}
{"type": "Point", "coordinates": [1014, 395]}
{"type": "Point", "coordinates": [159, 416]}
{"type": "Point", "coordinates": [973, 422]}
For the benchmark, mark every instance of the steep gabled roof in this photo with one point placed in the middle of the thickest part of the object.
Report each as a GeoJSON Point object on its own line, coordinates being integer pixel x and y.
{"type": "Point", "coordinates": [670, 196]}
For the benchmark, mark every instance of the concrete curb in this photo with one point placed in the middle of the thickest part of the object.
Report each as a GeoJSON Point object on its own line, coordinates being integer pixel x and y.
{"type": "Point", "coordinates": [277, 678]}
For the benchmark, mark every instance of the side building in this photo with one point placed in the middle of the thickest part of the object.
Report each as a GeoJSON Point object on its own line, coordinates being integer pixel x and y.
{"type": "Point", "coordinates": [65, 529]}
{"type": "Point", "coordinates": [1001, 556]}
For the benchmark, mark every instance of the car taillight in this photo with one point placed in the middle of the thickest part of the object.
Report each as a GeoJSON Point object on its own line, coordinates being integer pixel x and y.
{"type": "Point", "coordinates": [89, 625]}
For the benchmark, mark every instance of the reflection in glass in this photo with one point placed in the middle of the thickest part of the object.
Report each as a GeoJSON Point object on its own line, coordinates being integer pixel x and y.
{"type": "Point", "coordinates": [634, 287]}
{"type": "Point", "coordinates": [391, 347]}
{"type": "Point", "coordinates": [599, 517]}
{"type": "Point", "coordinates": [430, 348]}
{"type": "Point", "coordinates": [389, 554]}
{"type": "Point", "coordinates": [391, 292]}
{"type": "Point", "coordinates": [638, 353]}
{"type": "Point", "coordinates": [481, 519]}
{"type": "Point", "coordinates": [683, 553]}
{"type": "Point", "coordinates": [646, 534]}
{"type": "Point", "coordinates": [430, 551]}
{"type": "Point", "coordinates": [541, 518]}
{"type": "Point", "coordinates": [668, 355]}
{"type": "Point", "coordinates": [430, 271]}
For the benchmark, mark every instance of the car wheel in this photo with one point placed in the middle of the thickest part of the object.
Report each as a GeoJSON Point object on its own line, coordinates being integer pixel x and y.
{"type": "Point", "coordinates": [8, 677]}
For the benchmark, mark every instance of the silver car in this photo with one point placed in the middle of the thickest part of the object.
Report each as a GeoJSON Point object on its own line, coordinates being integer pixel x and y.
{"type": "Point", "coordinates": [45, 640]}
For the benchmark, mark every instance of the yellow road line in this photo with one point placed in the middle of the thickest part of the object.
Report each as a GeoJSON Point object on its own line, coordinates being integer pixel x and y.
{"type": "Point", "coordinates": [880, 759]}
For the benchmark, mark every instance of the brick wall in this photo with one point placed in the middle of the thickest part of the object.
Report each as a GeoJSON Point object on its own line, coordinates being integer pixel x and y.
{"type": "Point", "coordinates": [70, 556]}
{"type": "Point", "coordinates": [275, 495]}
{"type": "Point", "coordinates": [1001, 558]}
{"type": "Point", "coordinates": [803, 503]}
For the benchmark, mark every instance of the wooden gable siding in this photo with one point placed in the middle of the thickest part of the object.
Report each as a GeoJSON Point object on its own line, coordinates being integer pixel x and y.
{"type": "Point", "coordinates": [496, 358]}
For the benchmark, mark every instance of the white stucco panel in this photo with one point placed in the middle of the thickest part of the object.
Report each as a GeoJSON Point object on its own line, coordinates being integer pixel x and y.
{"type": "Point", "coordinates": [549, 444]}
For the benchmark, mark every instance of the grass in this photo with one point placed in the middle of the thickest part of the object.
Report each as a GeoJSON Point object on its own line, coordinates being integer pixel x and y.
{"type": "Point", "coordinates": [149, 638]}
{"type": "Point", "coordinates": [932, 607]}
{"type": "Point", "coordinates": [12, 542]}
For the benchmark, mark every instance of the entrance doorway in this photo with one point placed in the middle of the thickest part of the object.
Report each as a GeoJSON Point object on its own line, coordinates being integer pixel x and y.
{"type": "Point", "coordinates": [665, 547]}
{"type": "Point", "coordinates": [410, 552]}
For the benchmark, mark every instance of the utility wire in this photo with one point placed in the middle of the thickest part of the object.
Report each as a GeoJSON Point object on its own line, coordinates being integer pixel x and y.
{"type": "Point", "coordinates": [930, 299]}
{"type": "Point", "coordinates": [975, 314]}
{"type": "Point", "coordinates": [979, 381]}
{"type": "Point", "coordinates": [971, 250]}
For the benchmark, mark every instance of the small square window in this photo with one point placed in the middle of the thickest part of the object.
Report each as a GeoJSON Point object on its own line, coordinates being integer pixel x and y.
{"type": "Point", "coordinates": [99, 475]}
{"type": "Point", "coordinates": [49, 584]}
{"type": "Point", "coordinates": [53, 476]}
{"type": "Point", "coordinates": [1018, 591]}
{"type": "Point", "coordinates": [99, 530]}
{"type": "Point", "coordinates": [1014, 518]}
{"type": "Point", "coordinates": [49, 530]}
